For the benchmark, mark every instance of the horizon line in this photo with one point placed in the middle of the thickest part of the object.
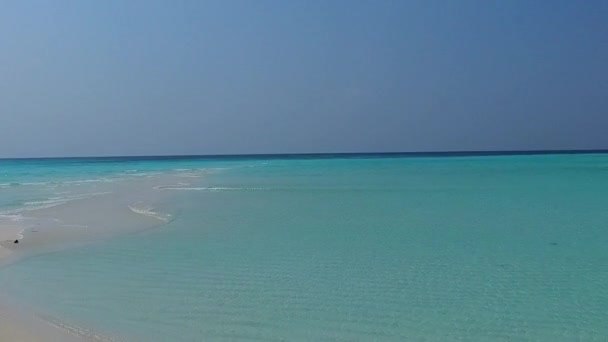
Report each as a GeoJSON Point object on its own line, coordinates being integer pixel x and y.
{"type": "Point", "coordinates": [462, 153]}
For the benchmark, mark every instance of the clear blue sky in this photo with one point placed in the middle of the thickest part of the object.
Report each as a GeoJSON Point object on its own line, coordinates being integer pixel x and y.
{"type": "Point", "coordinates": [207, 77]}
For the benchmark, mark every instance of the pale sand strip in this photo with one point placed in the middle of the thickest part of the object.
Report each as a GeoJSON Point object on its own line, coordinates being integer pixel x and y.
{"type": "Point", "coordinates": [20, 327]}
{"type": "Point", "coordinates": [85, 220]}
{"type": "Point", "coordinates": [16, 326]}
{"type": "Point", "coordinates": [10, 232]}
{"type": "Point", "coordinates": [21, 324]}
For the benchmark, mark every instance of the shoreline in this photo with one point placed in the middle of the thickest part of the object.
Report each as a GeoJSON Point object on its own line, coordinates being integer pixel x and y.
{"type": "Point", "coordinates": [9, 233]}
{"type": "Point", "coordinates": [92, 218]}
{"type": "Point", "coordinates": [19, 321]}
{"type": "Point", "coordinates": [21, 325]}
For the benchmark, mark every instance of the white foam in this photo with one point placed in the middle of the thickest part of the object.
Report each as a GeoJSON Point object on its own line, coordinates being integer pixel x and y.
{"type": "Point", "coordinates": [170, 187]}
{"type": "Point", "coordinates": [12, 217]}
{"type": "Point", "coordinates": [49, 203]}
{"type": "Point", "coordinates": [236, 189]}
{"type": "Point", "coordinates": [215, 169]}
{"type": "Point", "coordinates": [178, 185]}
{"type": "Point", "coordinates": [74, 330]}
{"type": "Point", "coordinates": [150, 212]}
{"type": "Point", "coordinates": [75, 225]}
{"type": "Point", "coordinates": [140, 174]}
{"type": "Point", "coordinates": [182, 188]}
{"type": "Point", "coordinates": [190, 175]}
{"type": "Point", "coordinates": [94, 180]}
{"type": "Point", "coordinates": [32, 183]}
{"type": "Point", "coordinates": [46, 203]}
{"type": "Point", "coordinates": [59, 183]}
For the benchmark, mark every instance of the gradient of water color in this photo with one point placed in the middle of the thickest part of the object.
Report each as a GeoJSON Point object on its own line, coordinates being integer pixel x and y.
{"type": "Point", "coordinates": [424, 249]}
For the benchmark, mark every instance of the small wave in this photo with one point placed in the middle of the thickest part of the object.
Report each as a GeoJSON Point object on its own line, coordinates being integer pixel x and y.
{"type": "Point", "coordinates": [136, 175]}
{"type": "Point", "coordinates": [150, 212]}
{"type": "Point", "coordinates": [190, 175]}
{"type": "Point", "coordinates": [80, 332]}
{"type": "Point", "coordinates": [170, 187]}
{"type": "Point", "coordinates": [75, 225]}
{"type": "Point", "coordinates": [236, 189]}
{"type": "Point", "coordinates": [50, 202]}
{"type": "Point", "coordinates": [36, 205]}
{"type": "Point", "coordinates": [59, 183]}
{"type": "Point", "coordinates": [64, 199]}
{"type": "Point", "coordinates": [17, 184]}
{"type": "Point", "coordinates": [178, 186]}
{"type": "Point", "coordinates": [211, 170]}
{"type": "Point", "coordinates": [140, 174]}
{"type": "Point", "coordinates": [181, 188]}
{"type": "Point", "coordinates": [94, 180]}
{"type": "Point", "coordinates": [12, 217]}
{"type": "Point", "coordinates": [161, 187]}
{"type": "Point", "coordinates": [31, 183]}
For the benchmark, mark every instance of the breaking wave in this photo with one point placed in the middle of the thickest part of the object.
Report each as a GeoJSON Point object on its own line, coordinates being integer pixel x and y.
{"type": "Point", "coordinates": [210, 188]}
{"type": "Point", "coordinates": [151, 212]}
{"type": "Point", "coordinates": [48, 203]}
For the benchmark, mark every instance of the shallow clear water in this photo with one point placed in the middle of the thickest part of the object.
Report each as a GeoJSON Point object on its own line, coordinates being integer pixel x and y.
{"type": "Point", "coordinates": [436, 249]}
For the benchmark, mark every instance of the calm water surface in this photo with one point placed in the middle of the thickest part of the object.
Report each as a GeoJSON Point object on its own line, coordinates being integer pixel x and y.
{"type": "Point", "coordinates": [386, 249]}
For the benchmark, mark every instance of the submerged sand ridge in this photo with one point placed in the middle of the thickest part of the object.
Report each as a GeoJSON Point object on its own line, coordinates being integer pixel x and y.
{"type": "Point", "coordinates": [88, 214]}
{"type": "Point", "coordinates": [9, 233]}
{"type": "Point", "coordinates": [18, 326]}
{"type": "Point", "coordinates": [92, 213]}
{"type": "Point", "coordinates": [46, 233]}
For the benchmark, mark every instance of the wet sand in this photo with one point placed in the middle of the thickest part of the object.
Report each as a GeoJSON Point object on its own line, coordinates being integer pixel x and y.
{"type": "Point", "coordinates": [18, 326]}
{"type": "Point", "coordinates": [9, 232]}
{"type": "Point", "coordinates": [46, 235]}
{"type": "Point", "coordinates": [71, 224]}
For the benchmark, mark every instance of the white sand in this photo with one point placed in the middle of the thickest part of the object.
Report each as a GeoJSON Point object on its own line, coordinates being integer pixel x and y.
{"type": "Point", "coordinates": [16, 326]}
{"type": "Point", "coordinates": [10, 232]}
{"type": "Point", "coordinates": [71, 224]}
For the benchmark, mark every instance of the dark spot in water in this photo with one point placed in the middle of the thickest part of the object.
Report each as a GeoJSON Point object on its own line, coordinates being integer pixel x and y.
{"type": "Point", "coordinates": [16, 241]}
{"type": "Point", "coordinates": [504, 265]}
{"type": "Point", "coordinates": [553, 243]}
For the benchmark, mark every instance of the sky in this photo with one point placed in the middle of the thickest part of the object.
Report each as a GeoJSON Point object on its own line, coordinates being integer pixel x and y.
{"type": "Point", "coordinates": [130, 77]}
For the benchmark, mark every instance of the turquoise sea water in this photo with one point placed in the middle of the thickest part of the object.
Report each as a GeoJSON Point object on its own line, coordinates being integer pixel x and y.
{"type": "Point", "coordinates": [382, 249]}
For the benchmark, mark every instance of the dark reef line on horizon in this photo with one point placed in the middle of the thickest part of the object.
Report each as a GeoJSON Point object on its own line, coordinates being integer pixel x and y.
{"type": "Point", "coordinates": [339, 155]}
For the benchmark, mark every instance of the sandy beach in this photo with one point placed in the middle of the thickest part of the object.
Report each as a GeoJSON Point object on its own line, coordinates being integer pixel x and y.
{"type": "Point", "coordinates": [17, 326]}
{"type": "Point", "coordinates": [8, 234]}
{"type": "Point", "coordinates": [44, 233]}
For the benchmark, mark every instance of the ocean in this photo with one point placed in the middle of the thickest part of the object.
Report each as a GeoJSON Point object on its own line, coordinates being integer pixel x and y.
{"type": "Point", "coordinates": [312, 248]}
